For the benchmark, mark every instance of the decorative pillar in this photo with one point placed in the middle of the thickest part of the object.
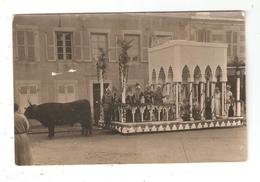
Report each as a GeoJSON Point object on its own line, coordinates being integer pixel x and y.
{"type": "Point", "coordinates": [202, 100]}
{"type": "Point", "coordinates": [238, 106]}
{"type": "Point", "coordinates": [213, 100]}
{"type": "Point", "coordinates": [177, 100]}
{"type": "Point", "coordinates": [223, 99]}
{"type": "Point", "coordinates": [196, 91]}
{"type": "Point", "coordinates": [190, 100]}
{"type": "Point", "coordinates": [101, 112]}
{"type": "Point", "coordinates": [207, 88]}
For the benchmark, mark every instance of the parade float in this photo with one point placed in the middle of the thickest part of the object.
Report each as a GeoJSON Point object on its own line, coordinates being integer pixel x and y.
{"type": "Point", "coordinates": [192, 77]}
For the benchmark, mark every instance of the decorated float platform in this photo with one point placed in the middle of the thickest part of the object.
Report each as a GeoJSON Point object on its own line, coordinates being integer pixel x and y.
{"type": "Point", "coordinates": [192, 78]}
{"type": "Point", "coordinates": [170, 126]}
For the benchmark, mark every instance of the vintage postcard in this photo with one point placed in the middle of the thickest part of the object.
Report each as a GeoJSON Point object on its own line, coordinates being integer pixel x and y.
{"type": "Point", "coordinates": [129, 88]}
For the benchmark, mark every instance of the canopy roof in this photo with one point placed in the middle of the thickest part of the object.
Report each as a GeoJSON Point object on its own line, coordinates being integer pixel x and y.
{"type": "Point", "coordinates": [187, 60]}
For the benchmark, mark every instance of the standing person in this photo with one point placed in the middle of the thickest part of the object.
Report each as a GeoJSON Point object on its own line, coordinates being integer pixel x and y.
{"type": "Point", "coordinates": [158, 96]}
{"type": "Point", "coordinates": [217, 98]}
{"type": "Point", "coordinates": [107, 102]}
{"type": "Point", "coordinates": [229, 102]}
{"type": "Point", "coordinates": [115, 111]}
{"type": "Point", "coordinates": [23, 154]}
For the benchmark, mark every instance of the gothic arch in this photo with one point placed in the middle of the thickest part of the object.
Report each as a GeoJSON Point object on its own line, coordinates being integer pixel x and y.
{"type": "Point", "coordinates": [170, 75]}
{"type": "Point", "coordinates": [161, 77]}
{"type": "Point", "coordinates": [208, 73]}
{"type": "Point", "coordinates": [218, 73]}
{"type": "Point", "coordinates": [197, 74]}
{"type": "Point", "coordinates": [185, 74]}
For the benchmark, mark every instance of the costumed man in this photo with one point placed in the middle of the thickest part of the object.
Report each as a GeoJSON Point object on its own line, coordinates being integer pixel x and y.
{"type": "Point", "coordinates": [229, 102]}
{"type": "Point", "coordinates": [107, 102]}
{"type": "Point", "coordinates": [217, 99]}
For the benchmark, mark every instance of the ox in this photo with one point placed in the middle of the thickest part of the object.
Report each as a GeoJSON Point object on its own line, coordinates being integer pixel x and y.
{"type": "Point", "coordinates": [51, 114]}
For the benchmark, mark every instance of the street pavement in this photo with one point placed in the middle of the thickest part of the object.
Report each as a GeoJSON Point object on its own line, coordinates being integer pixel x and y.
{"type": "Point", "coordinates": [108, 147]}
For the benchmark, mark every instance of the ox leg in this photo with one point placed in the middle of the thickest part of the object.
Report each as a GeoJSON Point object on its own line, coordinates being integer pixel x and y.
{"type": "Point", "coordinates": [51, 131]}
{"type": "Point", "coordinates": [83, 129]}
{"type": "Point", "coordinates": [89, 129]}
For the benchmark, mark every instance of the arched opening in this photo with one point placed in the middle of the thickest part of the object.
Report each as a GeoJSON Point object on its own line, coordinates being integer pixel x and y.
{"type": "Point", "coordinates": [218, 75]}
{"type": "Point", "coordinates": [161, 77]}
{"type": "Point", "coordinates": [169, 88]}
{"type": "Point", "coordinates": [170, 75]}
{"type": "Point", "coordinates": [196, 86]}
{"type": "Point", "coordinates": [208, 78]}
{"type": "Point", "coordinates": [185, 79]}
{"type": "Point", "coordinates": [218, 91]}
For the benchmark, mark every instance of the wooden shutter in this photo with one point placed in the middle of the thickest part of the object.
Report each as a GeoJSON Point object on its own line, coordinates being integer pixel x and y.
{"type": "Point", "coordinates": [50, 46]}
{"type": "Point", "coordinates": [30, 46]}
{"type": "Point", "coordinates": [145, 54]}
{"type": "Point", "coordinates": [77, 43]}
{"type": "Point", "coordinates": [21, 45]}
{"type": "Point", "coordinates": [15, 56]}
{"type": "Point", "coordinates": [207, 36]}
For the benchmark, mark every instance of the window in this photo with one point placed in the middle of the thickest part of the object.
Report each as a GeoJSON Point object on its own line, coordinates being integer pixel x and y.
{"type": "Point", "coordinates": [98, 40]}
{"type": "Point", "coordinates": [64, 45]}
{"type": "Point", "coordinates": [26, 45]}
{"type": "Point", "coordinates": [135, 51]}
{"type": "Point", "coordinates": [232, 41]}
{"type": "Point", "coordinates": [203, 36]}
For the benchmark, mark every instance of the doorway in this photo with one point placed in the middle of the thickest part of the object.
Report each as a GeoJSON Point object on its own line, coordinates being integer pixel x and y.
{"type": "Point", "coordinates": [96, 100]}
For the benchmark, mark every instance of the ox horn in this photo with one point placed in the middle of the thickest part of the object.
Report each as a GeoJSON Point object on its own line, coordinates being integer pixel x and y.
{"type": "Point", "coordinates": [29, 102]}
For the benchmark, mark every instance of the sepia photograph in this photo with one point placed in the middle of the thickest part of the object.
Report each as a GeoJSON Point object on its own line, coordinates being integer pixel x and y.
{"type": "Point", "coordinates": [129, 88]}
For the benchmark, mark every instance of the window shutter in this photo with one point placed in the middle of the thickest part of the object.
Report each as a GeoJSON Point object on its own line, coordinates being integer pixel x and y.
{"type": "Point", "coordinates": [50, 46]}
{"type": "Point", "coordinates": [200, 36]}
{"type": "Point", "coordinates": [36, 45]}
{"type": "Point", "coordinates": [30, 46]}
{"type": "Point", "coordinates": [77, 51]}
{"type": "Point", "coordinates": [112, 54]}
{"type": "Point", "coordinates": [21, 45]}
{"type": "Point", "coordinates": [207, 36]}
{"type": "Point", "coordinates": [15, 46]}
{"type": "Point", "coordinates": [86, 46]}
{"type": "Point", "coordinates": [145, 54]}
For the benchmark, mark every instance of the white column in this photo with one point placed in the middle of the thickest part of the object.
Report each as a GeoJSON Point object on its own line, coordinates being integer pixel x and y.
{"type": "Point", "coordinates": [213, 100]}
{"type": "Point", "coordinates": [202, 100]}
{"type": "Point", "coordinates": [207, 87]}
{"type": "Point", "coordinates": [177, 100]}
{"type": "Point", "coordinates": [196, 91]}
{"type": "Point", "coordinates": [190, 99]}
{"type": "Point", "coordinates": [223, 99]}
{"type": "Point", "coordinates": [101, 81]}
{"type": "Point", "coordinates": [238, 109]}
{"type": "Point", "coordinates": [124, 88]}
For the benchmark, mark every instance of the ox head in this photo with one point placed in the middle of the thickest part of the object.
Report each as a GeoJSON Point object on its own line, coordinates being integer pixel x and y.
{"type": "Point", "coordinates": [30, 111]}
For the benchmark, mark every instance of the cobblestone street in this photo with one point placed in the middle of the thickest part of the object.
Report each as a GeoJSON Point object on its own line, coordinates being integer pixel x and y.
{"type": "Point", "coordinates": [106, 147]}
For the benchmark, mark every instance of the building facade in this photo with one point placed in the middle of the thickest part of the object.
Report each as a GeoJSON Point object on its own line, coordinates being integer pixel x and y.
{"type": "Point", "coordinates": [55, 55]}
